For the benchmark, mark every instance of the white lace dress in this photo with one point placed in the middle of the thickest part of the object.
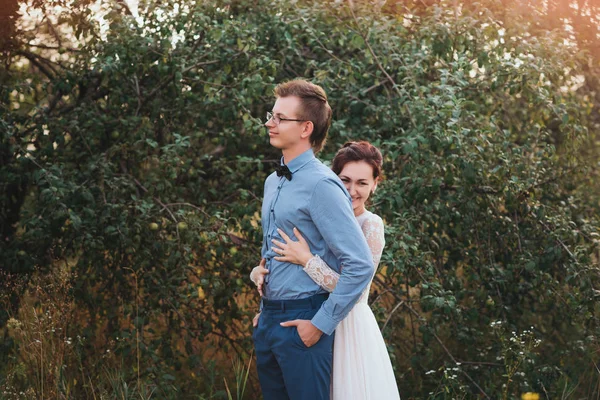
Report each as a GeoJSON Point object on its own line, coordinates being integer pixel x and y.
{"type": "Point", "coordinates": [362, 369]}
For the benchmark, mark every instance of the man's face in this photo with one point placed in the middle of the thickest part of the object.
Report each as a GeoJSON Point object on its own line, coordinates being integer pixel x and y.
{"type": "Point", "coordinates": [287, 134]}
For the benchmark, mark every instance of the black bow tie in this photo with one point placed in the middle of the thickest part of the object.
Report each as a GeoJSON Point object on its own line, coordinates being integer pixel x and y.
{"type": "Point", "coordinates": [283, 170]}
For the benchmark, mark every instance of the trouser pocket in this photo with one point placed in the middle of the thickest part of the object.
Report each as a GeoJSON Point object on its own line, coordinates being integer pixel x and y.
{"type": "Point", "coordinates": [290, 334]}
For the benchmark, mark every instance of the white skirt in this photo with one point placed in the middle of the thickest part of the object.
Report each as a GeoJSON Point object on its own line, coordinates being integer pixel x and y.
{"type": "Point", "coordinates": [362, 369]}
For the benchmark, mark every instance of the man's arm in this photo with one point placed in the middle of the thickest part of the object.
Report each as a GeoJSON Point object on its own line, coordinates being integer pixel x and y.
{"type": "Point", "coordinates": [332, 214]}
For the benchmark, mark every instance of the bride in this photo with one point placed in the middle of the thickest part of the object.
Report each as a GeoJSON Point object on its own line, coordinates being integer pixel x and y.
{"type": "Point", "coordinates": [362, 369]}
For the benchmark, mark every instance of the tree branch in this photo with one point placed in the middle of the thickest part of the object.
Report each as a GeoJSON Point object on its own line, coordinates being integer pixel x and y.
{"type": "Point", "coordinates": [34, 59]}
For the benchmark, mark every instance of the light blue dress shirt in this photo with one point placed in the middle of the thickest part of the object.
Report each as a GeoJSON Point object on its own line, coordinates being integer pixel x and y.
{"type": "Point", "coordinates": [316, 202]}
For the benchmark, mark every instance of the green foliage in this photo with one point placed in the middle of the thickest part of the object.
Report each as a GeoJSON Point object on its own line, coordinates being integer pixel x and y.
{"type": "Point", "coordinates": [138, 161]}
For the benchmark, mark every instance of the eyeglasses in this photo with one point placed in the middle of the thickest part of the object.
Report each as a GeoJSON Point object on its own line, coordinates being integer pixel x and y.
{"type": "Point", "coordinates": [277, 119]}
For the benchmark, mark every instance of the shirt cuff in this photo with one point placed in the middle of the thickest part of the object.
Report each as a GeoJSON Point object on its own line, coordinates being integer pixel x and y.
{"type": "Point", "coordinates": [324, 322]}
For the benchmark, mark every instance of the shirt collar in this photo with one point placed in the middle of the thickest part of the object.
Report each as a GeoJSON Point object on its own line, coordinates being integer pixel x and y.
{"type": "Point", "coordinates": [300, 161]}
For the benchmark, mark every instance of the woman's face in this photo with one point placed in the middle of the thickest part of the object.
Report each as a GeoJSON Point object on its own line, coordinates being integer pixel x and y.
{"type": "Point", "coordinates": [357, 176]}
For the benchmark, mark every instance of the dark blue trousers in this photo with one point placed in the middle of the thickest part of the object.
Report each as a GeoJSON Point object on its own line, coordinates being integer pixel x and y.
{"type": "Point", "coordinates": [287, 369]}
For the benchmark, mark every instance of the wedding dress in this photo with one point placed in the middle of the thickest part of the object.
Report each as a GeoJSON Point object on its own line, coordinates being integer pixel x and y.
{"type": "Point", "coordinates": [362, 369]}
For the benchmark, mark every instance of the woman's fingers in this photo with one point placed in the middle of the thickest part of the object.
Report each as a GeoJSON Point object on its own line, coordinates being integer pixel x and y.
{"type": "Point", "coordinates": [283, 235]}
{"type": "Point", "coordinates": [278, 243]}
{"type": "Point", "coordinates": [298, 235]}
{"type": "Point", "coordinates": [277, 250]}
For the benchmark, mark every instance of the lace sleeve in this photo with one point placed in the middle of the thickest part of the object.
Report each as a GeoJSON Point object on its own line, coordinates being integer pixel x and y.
{"type": "Point", "coordinates": [321, 273]}
{"type": "Point", "coordinates": [254, 275]}
{"type": "Point", "coordinates": [374, 233]}
{"type": "Point", "coordinates": [327, 278]}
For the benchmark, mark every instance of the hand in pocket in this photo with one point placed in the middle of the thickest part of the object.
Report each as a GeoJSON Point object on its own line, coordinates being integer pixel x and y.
{"type": "Point", "coordinates": [309, 334]}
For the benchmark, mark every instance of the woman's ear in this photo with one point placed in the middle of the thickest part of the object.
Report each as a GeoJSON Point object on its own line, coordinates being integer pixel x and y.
{"type": "Point", "coordinates": [374, 187]}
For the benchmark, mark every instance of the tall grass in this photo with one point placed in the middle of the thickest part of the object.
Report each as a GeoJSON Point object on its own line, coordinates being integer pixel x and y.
{"type": "Point", "coordinates": [241, 372]}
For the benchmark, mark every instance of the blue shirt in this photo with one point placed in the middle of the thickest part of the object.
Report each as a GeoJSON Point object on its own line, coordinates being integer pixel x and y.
{"type": "Point", "coordinates": [316, 202]}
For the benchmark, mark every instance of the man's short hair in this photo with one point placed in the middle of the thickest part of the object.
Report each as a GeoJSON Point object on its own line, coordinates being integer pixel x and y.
{"type": "Point", "coordinates": [315, 107]}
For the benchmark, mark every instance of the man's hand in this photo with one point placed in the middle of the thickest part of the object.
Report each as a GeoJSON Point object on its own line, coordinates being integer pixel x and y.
{"type": "Point", "coordinates": [255, 320]}
{"type": "Point", "coordinates": [309, 334]}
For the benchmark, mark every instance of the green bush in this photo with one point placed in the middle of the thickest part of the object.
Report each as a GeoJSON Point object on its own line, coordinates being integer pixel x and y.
{"type": "Point", "coordinates": [137, 163]}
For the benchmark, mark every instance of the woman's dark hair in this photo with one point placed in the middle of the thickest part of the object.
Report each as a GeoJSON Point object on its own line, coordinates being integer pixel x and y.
{"type": "Point", "coordinates": [358, 151]}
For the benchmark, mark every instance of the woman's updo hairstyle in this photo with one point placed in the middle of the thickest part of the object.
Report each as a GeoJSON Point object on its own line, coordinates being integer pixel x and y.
{"type": "Point", "coordinates": [358, 151]}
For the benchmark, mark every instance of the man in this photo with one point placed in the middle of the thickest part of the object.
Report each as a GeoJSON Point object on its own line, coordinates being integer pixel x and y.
{"type": "Point", "coordinates": [295, 331]}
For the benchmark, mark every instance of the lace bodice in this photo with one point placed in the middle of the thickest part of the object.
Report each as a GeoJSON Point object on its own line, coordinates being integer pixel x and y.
{"type": "Point", "coordinates": [372, 227]}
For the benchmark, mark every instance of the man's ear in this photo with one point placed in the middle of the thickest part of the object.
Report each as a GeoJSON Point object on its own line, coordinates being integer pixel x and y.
{"type": "Point", "coordinates": [308, 129]}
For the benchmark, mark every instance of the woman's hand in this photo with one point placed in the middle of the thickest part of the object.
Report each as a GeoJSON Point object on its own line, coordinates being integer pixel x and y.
{"type": "Point", "coordinates": [290, 251]}
{"type": "Point", "coordinates": [258, 275]}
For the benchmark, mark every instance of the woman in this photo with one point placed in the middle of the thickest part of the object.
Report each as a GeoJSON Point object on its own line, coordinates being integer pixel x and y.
{"type": "Point", "coordinates": [362, 369]}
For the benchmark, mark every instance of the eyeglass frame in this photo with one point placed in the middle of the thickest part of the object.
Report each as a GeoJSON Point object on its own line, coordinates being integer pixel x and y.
{"type": "Point", "coordinates": [277, 120]}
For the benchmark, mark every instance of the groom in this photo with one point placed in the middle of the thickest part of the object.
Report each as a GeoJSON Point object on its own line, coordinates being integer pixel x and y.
{"type": "Point", "coordinates": [294, 336]}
